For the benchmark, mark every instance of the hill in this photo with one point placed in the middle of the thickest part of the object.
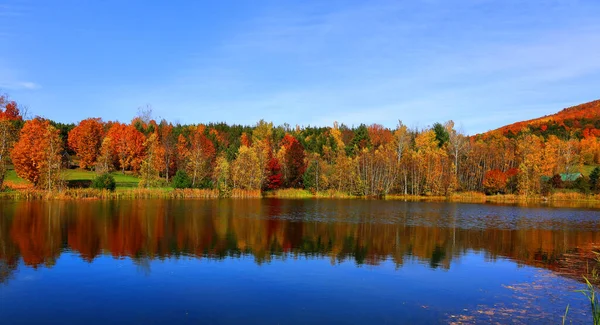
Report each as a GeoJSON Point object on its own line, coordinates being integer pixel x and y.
{"type": "Point", "coordinates": [573, 122]}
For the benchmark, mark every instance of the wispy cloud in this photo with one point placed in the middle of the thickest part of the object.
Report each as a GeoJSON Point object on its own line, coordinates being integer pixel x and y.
{"type": "Point", "coordinates": [312, 62]}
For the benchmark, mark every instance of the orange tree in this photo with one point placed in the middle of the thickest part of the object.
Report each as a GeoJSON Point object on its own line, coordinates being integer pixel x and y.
{"type": "Point", "coordinates": [37, 155]}
{"type": "Point", "coordinates": [86, 139]}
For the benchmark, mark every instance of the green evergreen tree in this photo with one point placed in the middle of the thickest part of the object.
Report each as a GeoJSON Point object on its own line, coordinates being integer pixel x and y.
{"type": "Point", "coordinates": [595, 179]}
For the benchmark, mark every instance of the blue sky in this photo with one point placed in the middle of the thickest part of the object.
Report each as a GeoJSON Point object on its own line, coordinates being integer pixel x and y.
{"type": "Point", "coordinates": [481, 63]}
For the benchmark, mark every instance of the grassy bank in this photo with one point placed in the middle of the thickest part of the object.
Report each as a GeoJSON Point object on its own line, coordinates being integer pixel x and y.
{"type": "Point", "coordinates": [137, 193]}
{"type": "Point", "coordinates": [127, 188]}
{"type": "Point", "coordinates": [30, 193]}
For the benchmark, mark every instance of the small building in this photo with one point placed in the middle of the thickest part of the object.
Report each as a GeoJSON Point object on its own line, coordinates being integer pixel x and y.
{"type": "Point", "coordinates": [570, 177]}
{"type": "Point", "coordinates": [565, 177]}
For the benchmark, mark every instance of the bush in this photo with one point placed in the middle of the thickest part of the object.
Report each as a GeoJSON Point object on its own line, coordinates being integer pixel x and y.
{"type": "Point", "coordinates": [582, 184]}
{"type": "Point", "coordinates": [104, 181]}
{"type": "Point", "coordinates": [181, 180]}
{"type": "Point", "coordinates": [556, 181]}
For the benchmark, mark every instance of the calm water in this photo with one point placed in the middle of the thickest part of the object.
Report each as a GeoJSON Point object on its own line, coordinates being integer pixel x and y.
{"type": "Point", "coordinates": [288, 262]}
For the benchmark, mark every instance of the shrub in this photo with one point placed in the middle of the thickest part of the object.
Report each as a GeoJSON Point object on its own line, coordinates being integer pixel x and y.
{"type": "Point", "coordinates": [181, 180]}
{"type": "Point", "coordinates": [582, 184]}
{"type": "Point", "coordinates": [104, 181]}
{"type": "Point", "coordinates": [556, 181]}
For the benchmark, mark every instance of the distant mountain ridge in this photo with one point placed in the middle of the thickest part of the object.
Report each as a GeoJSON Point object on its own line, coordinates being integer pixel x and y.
{"type": "Point", "coordinates": [577, 121]}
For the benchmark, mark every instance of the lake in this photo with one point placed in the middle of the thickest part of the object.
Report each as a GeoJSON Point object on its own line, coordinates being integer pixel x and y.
{"type": "Point", "coordinates": [272, 261]}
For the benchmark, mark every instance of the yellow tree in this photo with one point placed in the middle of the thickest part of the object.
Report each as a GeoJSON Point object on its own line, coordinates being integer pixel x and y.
{"type": "Point", "coordinates": [429, 160]}
{"type": "Point", "coordinates": [221, 175]}
{"type": "Point", "coordinates": [550, 156]}
{"type": "Point", "coordinates": [106, 160]}
{"type": "Point", "coordinates": [529, 147]}
{"type": "Point", "coordinates": [401, 144]}
{"type": "Point", "coordinates": [246, 170]}
{"type": "Point", "coordinates": [149, 173]}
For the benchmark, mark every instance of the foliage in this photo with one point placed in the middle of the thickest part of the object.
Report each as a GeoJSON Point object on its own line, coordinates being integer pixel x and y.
{"type": "Point", "coordinates": [441, 134]}
{"type": "Point", "coordinates": [556, 181]}
{"type": "Point", "coordinates": [197, 154]}
{"type": "Point", "coordinates": [221, 176]}
{"type": "Point", "coordinates": [85, 140]}
{"type": "Point", "coordinates": [368, 160]}
{"type": "Point", "coordinates": [359, 141]}
{"type": "Point", "coordinates": [595, 179]}
{"type": "Point", "coordinates": [181, 180]}
{"type": "Point", "coordinates": [495, 181]}
{"type": "Point", "coordinates": [274, 176]}
{"type": "Point", "coordinates": [294, 160]}
{"type": "Point", "coordinates": [104, 182]}
{"type": "Point", "coordinates": [127, 146]}
{"type": "Point", "coordinates": [590, 293]}
{"type": "Point", "coordinates": [582, 184]}
{"type": "Point", "coordinates": [246, 170]}
{"type": "Point", "coordinates": [37, 156]}
{"type": "Point", "coordinates": [149, 170]}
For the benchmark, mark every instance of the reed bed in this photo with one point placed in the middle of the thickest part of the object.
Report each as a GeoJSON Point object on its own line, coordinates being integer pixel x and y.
{"type": "Point", "coordinates": [134, 193]}
{"type": "Point", "coordinates": [244, 194]}
{"type": "Point", "coordinates": [296, 193]}
{"type": "Point", "coordinates": [573, 196]}
{"type": "Point", "coordinates": [28, 192]}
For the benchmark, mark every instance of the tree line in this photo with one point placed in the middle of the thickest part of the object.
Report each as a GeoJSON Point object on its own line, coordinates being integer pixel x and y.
{"type": "Point", "coordinates": [367, 160]}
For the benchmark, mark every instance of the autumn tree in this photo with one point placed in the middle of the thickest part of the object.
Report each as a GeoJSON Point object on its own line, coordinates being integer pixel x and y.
{"type": "Point", "coordinates": [494, 181]}
{"type": "Point", "coordinates": [274, 176]}
{"type": "Point", "coordinates": [221, 175]}
{"type": "Point", "coordinates": [148, 170]}
{"type": "Point", "coordinates": [198, 153]}
{"type": "Point", "coordinates": [529, 177]}
{"type": "Point", "coordinates": [128, 145]}
{"type": "Point", "coordinates": [37, 156]}
{"type": "Point", "coordinates": [9, 116]}
{"type": "Point", "coordinates": [401, 142]}
{"type": "Point", "coordinates": [294, 159]}
{"type": "Point", "coordinates": [168, 142]}
{"type": "Point", "coordinates": [105, 162]}
{"type": "Point", "coordinates": [246, 171]}
{"type": "Point", "coordinates": [85, 140]}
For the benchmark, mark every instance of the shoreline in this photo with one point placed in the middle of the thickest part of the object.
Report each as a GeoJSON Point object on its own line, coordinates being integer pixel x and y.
{"type": "Point", "coordinates": [555, 200]}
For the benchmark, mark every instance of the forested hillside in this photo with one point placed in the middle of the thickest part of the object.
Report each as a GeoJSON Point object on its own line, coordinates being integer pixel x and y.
{"type": "Point", "coordinates": [528, 158]}
{"type": "Point", "coordinates": [574, 122]}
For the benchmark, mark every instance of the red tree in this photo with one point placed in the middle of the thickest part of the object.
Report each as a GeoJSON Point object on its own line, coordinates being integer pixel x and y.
{"type": "Point", "coordinates": [495, 181]}
{"type": "Point", "coordinates": [9, 110]}
{"type": "Point", "coordinates": [294, 159]}
{"type": "Point", "coordinates": [274, 176]}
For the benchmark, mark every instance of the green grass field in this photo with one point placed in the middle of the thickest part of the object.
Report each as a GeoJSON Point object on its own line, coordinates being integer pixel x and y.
{"type": "Point", "coordinates": [12, 177]}
{"type": "Point", "coordinates": [123, 180]}
{"type": "Point", "coordinates": [587, 169]}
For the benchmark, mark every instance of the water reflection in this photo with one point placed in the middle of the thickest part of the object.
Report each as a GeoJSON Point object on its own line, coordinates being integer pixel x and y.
{"type": "Point", "coordinates": [367, 232]}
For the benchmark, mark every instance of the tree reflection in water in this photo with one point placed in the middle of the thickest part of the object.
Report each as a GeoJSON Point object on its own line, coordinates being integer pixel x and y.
{"type": "Point", "coordinates": [367, 232]}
